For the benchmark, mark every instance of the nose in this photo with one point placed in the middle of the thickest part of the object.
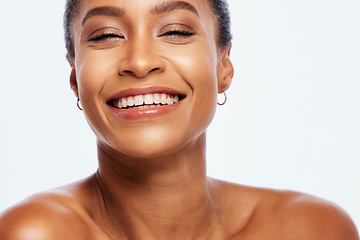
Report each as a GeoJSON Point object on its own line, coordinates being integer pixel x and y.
{"type": "Point", "coordinates": [140, 59]}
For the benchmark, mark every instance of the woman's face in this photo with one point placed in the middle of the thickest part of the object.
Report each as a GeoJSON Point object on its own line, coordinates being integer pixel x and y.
{"type": "Point", "coordinates": [148, 72]}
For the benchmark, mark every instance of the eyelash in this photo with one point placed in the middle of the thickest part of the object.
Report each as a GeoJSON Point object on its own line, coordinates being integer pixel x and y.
{"type": "Point", "coordinates": [104, 36]}
{"type": "Point", "coordinates": [184, 33]}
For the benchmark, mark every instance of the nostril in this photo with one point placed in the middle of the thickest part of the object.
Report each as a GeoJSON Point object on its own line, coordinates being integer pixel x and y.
{"type": "Point", "coordinates": [139, 73]}
{"type": "Point", "coordinates": [154, 70]}
{"type": "Point", "coordinates": [140, 64]}
{"type": "Point", "coordinates": [127, 72]}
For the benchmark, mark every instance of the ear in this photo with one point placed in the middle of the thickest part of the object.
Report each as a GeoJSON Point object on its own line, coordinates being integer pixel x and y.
{"type": "Point", "coordinates": [73, 79]}
{"type": "Point", "coordinates": [225, 71]}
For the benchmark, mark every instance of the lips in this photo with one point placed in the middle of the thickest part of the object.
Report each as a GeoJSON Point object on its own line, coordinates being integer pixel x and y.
{"type": "Point", "coordinates": [148, 102]}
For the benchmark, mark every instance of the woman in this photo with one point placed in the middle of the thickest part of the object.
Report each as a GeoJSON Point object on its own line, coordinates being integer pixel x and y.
{"type": "Point", "coordinates": [146, 75]}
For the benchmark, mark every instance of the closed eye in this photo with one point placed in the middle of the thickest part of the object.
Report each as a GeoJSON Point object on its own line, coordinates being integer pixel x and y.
{"type": "Point", "coordinates": [178, 32]}
{"type": "Point", "coordinates": [104, 37]}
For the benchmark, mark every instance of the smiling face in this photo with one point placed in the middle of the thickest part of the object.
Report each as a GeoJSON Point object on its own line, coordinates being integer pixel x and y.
{"type": "Point", "coordinates": [148, 72]}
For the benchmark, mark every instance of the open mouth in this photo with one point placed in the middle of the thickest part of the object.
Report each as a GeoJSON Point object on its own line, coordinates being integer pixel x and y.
{"type": "Point", "coordinates": [145, 101]}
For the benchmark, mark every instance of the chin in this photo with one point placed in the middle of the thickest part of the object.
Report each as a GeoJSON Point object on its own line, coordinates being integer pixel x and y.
{"type": "Point", "coordinates": [152, 143]}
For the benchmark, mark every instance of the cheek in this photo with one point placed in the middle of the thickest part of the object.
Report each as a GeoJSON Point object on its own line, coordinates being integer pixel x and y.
{"type": "Point", "coordinates": [197, 67]}
{"type": "Point", "coordinates": [92, 74]}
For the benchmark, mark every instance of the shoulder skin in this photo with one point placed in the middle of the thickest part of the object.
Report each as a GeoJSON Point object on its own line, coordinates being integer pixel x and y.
{"type": "Point", "coordinates": [284, 215]}
{"type": "Point", "coordinates": [308, 217]}
{"type": "Point", "coordinates": [44, 216]}
{"type": "Point", "coordinates": [296, 216]}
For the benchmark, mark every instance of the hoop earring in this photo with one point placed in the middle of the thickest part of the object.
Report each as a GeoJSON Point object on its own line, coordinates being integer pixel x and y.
{"type": "Point", "coordinates": [225, 98]}
{"type": "Point", "coordinates": [78, 104]}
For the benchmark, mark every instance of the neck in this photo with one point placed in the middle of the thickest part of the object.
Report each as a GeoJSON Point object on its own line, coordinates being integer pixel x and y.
{"type": "Point", "coordinates": [157, 198]}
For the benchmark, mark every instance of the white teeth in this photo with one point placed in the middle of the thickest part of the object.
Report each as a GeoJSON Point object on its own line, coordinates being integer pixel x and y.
{"type": "Point", "coordinates": [139, 100]}
{"type": "Point", "coordinates": [130, 101]}
{"type": "Point", "coordinates": [124, 103]}
{"type": "Point", "coordinates": [149, 99]}
{"type": "Point", "coordinates": [170, 100]}
{"type": "Point", "coordinates": [146, 101]}
{"type": "Point", "coordinates": [163, 98]}
{"type": "Point", "coordinates": [157, 98]}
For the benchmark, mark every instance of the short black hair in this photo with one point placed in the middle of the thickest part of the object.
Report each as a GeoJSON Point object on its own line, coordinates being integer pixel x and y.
{"type": "Point", "coordinates": [71, 10]}
{"type": "Point", "coordinates": [220, 8]}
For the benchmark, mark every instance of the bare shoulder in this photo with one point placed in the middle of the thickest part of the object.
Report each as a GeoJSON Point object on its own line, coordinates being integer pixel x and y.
{"type": "Point", "coordinates": [275, 214]}
{"type": "Point", "coordinates": [313, 218]}
{"type": "Point", "coordinates": [43, 216]}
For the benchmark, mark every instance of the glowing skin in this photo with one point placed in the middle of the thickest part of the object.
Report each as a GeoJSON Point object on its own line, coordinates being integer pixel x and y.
{"type": "Point", "coordinates": [143, 51]}
{"type": "Point", "coordinates": [160, 57]}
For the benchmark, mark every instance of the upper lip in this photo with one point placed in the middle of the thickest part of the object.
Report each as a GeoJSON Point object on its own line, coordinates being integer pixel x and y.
{"type": "Point", "coordinates": [146, 90]}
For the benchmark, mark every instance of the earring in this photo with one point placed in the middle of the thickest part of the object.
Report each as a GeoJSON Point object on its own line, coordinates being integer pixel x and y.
{"type": "Point", "coordinates": [78, 104]}
{"type": "Point", "coordinates": [225, 98]}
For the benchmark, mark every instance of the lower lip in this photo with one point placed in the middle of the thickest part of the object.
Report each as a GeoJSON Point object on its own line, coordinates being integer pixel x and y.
{"type": "Point", "coordinates": [150, 113]}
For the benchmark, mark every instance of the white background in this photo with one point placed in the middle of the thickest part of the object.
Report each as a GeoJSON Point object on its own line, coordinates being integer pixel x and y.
{"type": "Point", "coordinates": [291, 120]}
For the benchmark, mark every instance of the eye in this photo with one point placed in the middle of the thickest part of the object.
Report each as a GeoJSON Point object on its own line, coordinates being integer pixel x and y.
{"type": "Point", "coordinates": [176, 33]}
{"type": "Point", "coordinates": [105, 36]}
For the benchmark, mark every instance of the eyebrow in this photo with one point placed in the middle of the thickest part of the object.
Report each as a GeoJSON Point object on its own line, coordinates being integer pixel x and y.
{"type": "Point", "coordinates": [170, 6]}
{"type": "Point", "coordinates": [163, 7]}
{"type": "Point", "coordinates": [104, 11]}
